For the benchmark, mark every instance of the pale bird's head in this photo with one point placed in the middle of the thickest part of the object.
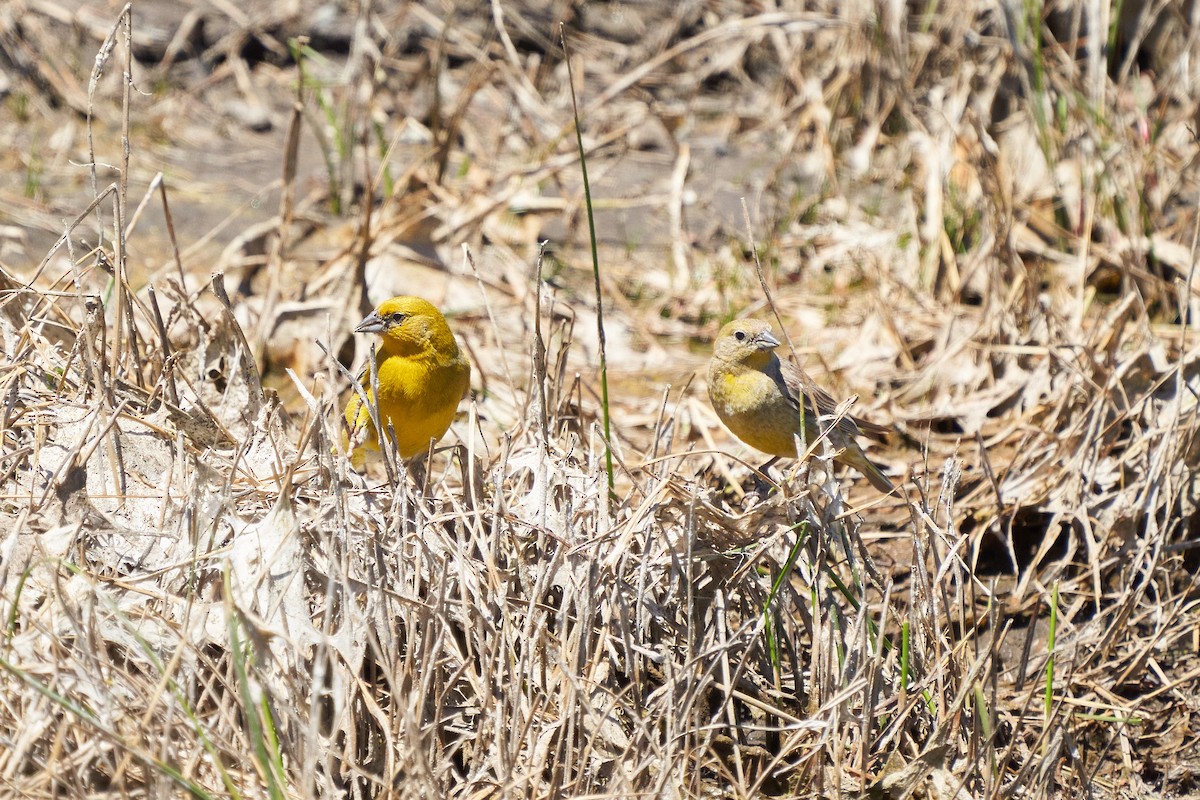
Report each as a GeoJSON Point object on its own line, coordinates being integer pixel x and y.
{"type": "Point", "coordinates": [409, 325]}
{"type": "Point", "coordinates": [744, 340]}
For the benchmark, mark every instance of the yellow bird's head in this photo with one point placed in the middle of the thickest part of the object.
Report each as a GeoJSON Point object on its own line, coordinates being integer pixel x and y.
{"type": "Point", "coordinates": [410, 326]}
{"type": "Point", "coordinates": [745, 341]}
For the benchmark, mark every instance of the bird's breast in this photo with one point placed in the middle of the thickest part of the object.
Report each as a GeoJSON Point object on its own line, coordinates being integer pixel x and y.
{"type": "Point", "coordinates": [753, 407]}
{"type": "Point", "coordinates": [410, 381]}
{"type": "Point", "coordinates": [742, 393]}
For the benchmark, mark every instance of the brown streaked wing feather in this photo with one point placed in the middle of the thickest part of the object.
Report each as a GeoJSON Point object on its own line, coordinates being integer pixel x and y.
{"type": "Point", "coordinates": [797, 383]}
{"type": "Point", "coordinates": [872, 430]}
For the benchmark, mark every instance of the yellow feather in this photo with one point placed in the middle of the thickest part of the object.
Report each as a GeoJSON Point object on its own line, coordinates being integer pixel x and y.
{"type": "Point", "coordinates": [422, 376]}
{"type": "Point", "coordinates": [762, 400]}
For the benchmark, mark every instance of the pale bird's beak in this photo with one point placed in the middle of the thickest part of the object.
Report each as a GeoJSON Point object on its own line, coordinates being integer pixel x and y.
{"type": "Point", "coordinates": [766, 341]}
{"type": "Point", "coordinates": [373, 323]}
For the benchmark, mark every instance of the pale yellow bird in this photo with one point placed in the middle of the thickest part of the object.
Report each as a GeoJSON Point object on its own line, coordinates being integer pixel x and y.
{"type": "Point", "coordinates": [759, 397]}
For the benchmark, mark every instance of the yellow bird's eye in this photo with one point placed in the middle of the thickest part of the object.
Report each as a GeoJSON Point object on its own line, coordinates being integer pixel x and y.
{"type": "Point", "coordinates": [396, 318]}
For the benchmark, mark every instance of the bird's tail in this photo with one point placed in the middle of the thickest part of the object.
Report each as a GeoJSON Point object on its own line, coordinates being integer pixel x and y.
{"type": "Point", "coordinates": [857, 459]}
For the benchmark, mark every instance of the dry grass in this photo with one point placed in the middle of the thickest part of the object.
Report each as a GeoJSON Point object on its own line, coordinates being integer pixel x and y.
{"type": "Point", "coordinates": [987, 223]}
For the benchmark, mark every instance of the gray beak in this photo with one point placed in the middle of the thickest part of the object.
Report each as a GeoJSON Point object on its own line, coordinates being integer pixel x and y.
{"type": "Point", "coordinates": [373, 323]}
{"type": "Point", "coordinates": [766, 341]}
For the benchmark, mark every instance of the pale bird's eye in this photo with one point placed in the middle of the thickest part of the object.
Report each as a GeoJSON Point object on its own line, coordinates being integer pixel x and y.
{"type": "Point", "coordinates": [739, 335]}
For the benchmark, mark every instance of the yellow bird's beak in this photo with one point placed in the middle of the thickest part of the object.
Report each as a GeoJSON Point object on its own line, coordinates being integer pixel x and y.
{"type": "Point", "coordinates": [372, 323]}
{"type": "Point", "coordinates": [766, 341]}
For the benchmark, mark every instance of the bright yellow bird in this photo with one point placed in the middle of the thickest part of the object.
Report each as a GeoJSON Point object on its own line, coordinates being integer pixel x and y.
{"type": "Point", "coordinates": [422, 377]}
{"type": "Point", "coordinates": [759, 398]}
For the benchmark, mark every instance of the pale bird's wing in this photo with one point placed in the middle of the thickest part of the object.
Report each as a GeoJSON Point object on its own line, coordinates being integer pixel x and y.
{"type": "Point", "coordinates": [796, 384]}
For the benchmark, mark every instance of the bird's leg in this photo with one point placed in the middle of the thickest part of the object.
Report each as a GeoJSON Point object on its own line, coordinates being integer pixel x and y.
{"type": "Point", "coordinates": [417, 468]}
{"type": "Point", "coordinates": [762, 481]}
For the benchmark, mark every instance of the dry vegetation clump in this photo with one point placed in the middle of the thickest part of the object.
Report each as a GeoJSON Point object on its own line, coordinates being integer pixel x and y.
{"type": "Point", "coordinates": [982, 217]}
